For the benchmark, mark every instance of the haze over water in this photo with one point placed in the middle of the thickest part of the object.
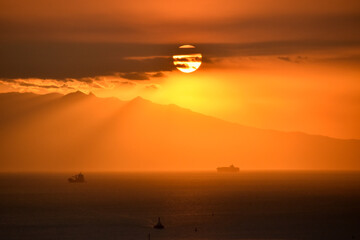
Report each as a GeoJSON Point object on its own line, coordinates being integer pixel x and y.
{"type": "Point", "coordinates": [248, 205]}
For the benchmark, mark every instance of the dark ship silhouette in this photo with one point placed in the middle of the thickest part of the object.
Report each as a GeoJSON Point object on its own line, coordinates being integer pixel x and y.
{"type": "Point", "coordinates": [79, 178]}
{"type": "Point", "coordinates": [230, 169]}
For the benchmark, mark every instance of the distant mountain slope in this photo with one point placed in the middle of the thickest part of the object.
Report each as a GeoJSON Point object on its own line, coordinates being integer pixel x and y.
{"type": "Point", "coordinates": [83, 132]}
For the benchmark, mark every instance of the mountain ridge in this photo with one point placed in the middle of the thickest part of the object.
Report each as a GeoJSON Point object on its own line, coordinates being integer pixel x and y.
{"type": "Point", "coordinates": [81, 94]}
{"type": "Point", "coordinates": [88, 132]}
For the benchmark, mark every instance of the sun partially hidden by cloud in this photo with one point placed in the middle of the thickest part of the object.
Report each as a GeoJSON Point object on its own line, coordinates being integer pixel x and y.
{"type": "Point", "coordinates": [187, 46]}
{"type": "Point", "coordinates": [187, 63]}
{"type": "Point", "coordinates": [187, 60]}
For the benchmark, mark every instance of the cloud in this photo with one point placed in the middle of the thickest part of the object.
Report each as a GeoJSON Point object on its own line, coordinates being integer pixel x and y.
{"type": "Point", "coordinates": [158, 75]}
{"type": "Point", "coordinates": [85, 61]}
{"type": "Point", "coordinates": [115, 82]}
{"type": "Point", "coordinates": [155, 22]}
{"type": "Point", "coordinates": [135, 76]}
{"type": "Point", "coordinates": [95, 85]}
{"type": "Point", "coordinates": [26, 84]}
{"type": "Point", "coordinates": [287, 59]}
{"type": "Point", "coordinates": [271, 48]}
{"type": "Point", "coordinates": [188, 59]}
{"type": "Point", "coordinates": [152, 87]}
{"type": "Point", "coordinates": [86, 80]}
{"type": "Point", "coordinates": [87, 40]}
{"type": "Point", "coordinates": [128, 83]}
{"type": "Point", "coordinates": [66, 61]}
{"type": "Point", "coordinates": [180, 65]}
{"type": "Point", "coordinates": [38, 85]}
{"type": "Point", "coordinates": [141, 75]}
{"type": "Point", "coordinates": [297, 59]}
{"type": "Point", "coordinates": [352, 59]}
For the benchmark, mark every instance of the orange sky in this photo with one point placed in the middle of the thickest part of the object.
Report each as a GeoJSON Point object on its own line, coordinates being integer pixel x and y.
{"type": "Point", "coordinates": [286, 65]}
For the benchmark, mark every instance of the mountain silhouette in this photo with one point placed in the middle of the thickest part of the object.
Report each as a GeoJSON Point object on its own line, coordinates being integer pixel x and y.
{"type": "Point", "coordinates": [82, 131]}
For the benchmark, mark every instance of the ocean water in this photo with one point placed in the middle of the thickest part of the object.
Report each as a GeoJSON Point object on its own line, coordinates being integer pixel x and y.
{"type": "Point", "coordinates": [248, 205]}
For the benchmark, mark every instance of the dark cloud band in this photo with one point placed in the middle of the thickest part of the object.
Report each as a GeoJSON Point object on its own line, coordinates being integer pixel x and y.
{"type": "Point", "coordinates": [132, 61]}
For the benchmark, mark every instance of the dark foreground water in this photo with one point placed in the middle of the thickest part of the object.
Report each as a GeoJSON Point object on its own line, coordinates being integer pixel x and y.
{"type": "Point", "coordinates": [125, 206]}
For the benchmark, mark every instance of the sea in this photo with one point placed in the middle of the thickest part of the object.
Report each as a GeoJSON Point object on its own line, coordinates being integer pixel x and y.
{"type": "Point", "coordinates": [191, 206]}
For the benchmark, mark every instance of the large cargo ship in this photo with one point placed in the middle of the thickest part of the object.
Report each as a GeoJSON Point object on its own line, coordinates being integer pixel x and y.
{"type": "Point", "coordinates": [230, 169]}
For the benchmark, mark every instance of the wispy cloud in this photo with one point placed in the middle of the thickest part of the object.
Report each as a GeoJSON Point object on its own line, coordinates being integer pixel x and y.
{"type": "Point", "coordinates": [111, 82]}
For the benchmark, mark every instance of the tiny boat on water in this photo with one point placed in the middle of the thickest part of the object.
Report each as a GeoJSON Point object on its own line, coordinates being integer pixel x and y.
{"type": "Point", "coordinates": [159, 225]}
{"type": "Point", "coordinates": [78, 178]}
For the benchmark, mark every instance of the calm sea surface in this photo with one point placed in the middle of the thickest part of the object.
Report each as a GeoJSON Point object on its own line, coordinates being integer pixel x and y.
{"type": "Point", "coordinates": [258, 205]}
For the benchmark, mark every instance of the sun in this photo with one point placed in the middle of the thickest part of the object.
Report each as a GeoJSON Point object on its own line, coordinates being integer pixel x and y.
{"type": "Point", "coordinates": [189, 61]}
